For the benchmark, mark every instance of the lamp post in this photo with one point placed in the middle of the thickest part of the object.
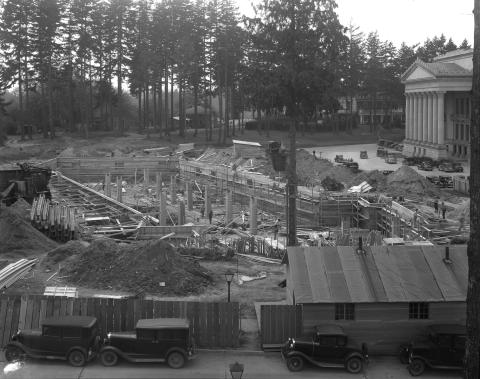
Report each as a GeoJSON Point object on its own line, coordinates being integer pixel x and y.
{"type": "Point", "coordinates": [229, 277]}
{"type": "Point", "coordinates": [236, 370]}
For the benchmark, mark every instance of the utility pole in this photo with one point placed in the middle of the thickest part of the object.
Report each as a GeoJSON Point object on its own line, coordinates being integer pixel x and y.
{"type": "Point", "coordinates": [291, 188]}
{"type": "Point", "coordinates": [473, 293]}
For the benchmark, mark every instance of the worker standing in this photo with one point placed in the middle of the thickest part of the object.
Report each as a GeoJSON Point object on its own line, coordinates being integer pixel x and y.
{"type": "Point", "coordinates": [415, 217]}
{"type": "Point", "coordinates": [435, 206]}
{"type": "Point", "coordinates": [444, 210]}
{"type": "Point", "coordinates": [276, 228]}
{"type": "Point", "coordinates": [210, 216]}
{"type": "Point", "coordinates": [462, 222]}
{"type": "Point", "coordinates": [202, 211]}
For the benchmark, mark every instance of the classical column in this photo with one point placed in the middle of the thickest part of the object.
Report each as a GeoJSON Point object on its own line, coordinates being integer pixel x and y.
{"type": "Point", "coordinates": [424, 132]}
{"type": "Point", "coordinates": [411, 115]}
{"type": "Point", "coordinates": [419, 117]}
{"type": "Point", "coordinates": [414, 116]}
{"type": "Point", "coordinates": [441, 123]}
{"type": "Point", "coordinates": [408, 116]}
{"type": "Point", "coordinates": [430, 117]}
{"type": "Point", "coordinates": [435, 118]}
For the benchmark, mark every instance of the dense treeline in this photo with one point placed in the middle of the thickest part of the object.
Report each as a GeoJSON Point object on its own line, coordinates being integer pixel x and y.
{"type": "Point", "coordinates": [68, 63]}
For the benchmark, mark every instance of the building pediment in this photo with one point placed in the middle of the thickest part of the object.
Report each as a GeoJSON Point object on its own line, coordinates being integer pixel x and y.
{"type": "Point", "coordinates": [419, 73]}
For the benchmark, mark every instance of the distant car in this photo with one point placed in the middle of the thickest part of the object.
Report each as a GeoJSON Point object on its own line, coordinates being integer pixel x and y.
{"type": "Point", "coordinates": [381, 152]}
{"type": "Point", "coordinates": [351, 164]}
{"type": "Point", "coordinates": [363, 154]}
{"type": "Point", "coordinates": [443, 348]}
{"type": "Point", "coordinates": [446, 167]}
{"type": "Point", "coordinates": [328, 347]}
{"type": "Point", "coordinates": [339, 158]}
{"type": "Point", "coordinates": [425, 166]}
{"type": "Point", "coordinates": [71, 338]}
{"type": "Point", "coordinates": [458, 167]}
{"type": "Point", "coordinates": [409, 161]}
{"type": "Point", "coordinates": [387, 172]}
{"type": "Point", "coordinates": [382, 142]}
{"type": "Point", "coordinates": [153, 340]}
{"type": "Point", "coordinates": [399, 147]}
{"type": "Point", "coordinates": [391, 159]}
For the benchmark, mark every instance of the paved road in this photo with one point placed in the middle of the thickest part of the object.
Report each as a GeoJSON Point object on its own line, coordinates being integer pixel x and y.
{"type": "Point", "coordinates": [373, 162]}
{"type": "Point", "coordinates": [210, 365]}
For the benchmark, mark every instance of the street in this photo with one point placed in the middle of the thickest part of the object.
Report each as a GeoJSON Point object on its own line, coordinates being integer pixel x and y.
{"type": "Point", "coordinates": [209, 365]}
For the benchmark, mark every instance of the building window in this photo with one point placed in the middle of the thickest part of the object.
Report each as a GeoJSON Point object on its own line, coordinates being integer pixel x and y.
{"type": "Point", "coordinates": [461, 132]}
{"type": "Point", "coordinates": [418, 311]}
{"type": "Point", "coordinates": [345, 311]}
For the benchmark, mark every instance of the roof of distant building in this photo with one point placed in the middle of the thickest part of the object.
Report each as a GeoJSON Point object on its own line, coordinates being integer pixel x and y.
{"type": "Point", "coordinates": [380, 274]}
{"type": "Point", "coordinates": [249, 143]}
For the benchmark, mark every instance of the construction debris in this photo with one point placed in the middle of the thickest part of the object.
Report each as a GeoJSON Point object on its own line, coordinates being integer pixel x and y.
{"type": "Point", "coordinates": [15, 271]}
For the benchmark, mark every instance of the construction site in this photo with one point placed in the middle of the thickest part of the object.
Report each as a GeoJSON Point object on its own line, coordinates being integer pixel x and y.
{"type": "Point", "coordinates": [168, 222]}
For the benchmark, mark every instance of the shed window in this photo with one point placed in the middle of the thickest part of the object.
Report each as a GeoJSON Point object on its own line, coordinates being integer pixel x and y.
{"type": "Point", "coordinates": [345, 311]}
{"type": "Point", "coordinates": [418, 311]}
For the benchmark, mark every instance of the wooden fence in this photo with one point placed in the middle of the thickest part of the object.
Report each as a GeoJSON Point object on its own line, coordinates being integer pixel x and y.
{"type": "Point", "coordinates": [213, 324]}
{"type": "Point", "coordinates": [278, 323]}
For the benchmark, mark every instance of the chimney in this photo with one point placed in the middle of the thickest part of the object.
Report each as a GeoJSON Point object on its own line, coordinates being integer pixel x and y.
{"type": "Point", "coordinates": [447, 255]}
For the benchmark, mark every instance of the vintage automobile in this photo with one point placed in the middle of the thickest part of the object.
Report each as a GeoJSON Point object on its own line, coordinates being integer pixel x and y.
{"type": "Point", "coordinates": [328, 347]}
{"type": "Point", "coordinates": [71, 338]}
{"type": "Point", "coordinates": [381, 152]}
{"type": "Point", "coordinates": [391, 159]}
{"type": "Point", "coordinates": [425, 166]}
{"type": "Point", "coordinates": [442, 348]}
{"type": "Point", "coordinates": [363, 154]}
{"type": "Point", "coordinates": [153, 340]}
{"type": "Point", "coordinates": [339, 158]}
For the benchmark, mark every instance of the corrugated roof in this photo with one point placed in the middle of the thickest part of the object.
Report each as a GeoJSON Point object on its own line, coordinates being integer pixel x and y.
{"type": "Point", "coordinates": [382, 274]}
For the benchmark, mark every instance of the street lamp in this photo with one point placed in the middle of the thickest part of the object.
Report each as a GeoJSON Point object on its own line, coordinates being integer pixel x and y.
{"type": "Point", "coordinates": [236, 370]}
{"type": "Point", "coordinates": [229, 277]}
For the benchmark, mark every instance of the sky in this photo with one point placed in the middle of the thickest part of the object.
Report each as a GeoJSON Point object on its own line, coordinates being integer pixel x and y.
{"type": "Point", "coordinates": [409, 21]}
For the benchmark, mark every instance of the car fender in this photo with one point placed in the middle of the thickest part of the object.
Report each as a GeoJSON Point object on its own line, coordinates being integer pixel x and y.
{"type": "Point", "coordinates": [117, 351]}
{"type": "Point", "coordinates": [178, 350]}
{"type": "Point", "coordinates": [81, 348]}
{"type": "Point", "coordinates": [413, 356]}
{"type": "Point", "coordinates": [355, 355]}
{"type": "Point", "coordinates": [299, 354]}
{"type": "Point", "coordinates": [20, 345]}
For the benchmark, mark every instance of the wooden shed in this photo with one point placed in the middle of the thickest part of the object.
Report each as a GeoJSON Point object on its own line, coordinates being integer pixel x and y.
{"type": "Point", "coordinates": [381, 295]}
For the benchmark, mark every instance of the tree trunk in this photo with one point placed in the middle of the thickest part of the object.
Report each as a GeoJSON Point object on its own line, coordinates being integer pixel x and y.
{"type": "Point", "coordinates": [160, 104]}
{"type": "Point", "coordinates": [20, 99]}
{"type": "Point", "coordinates": [473, 250]}
{"type": "Point", "coordinates": [171, 102]}
{"type": "Point", "coordinates": [291, 188]}
{"type": "Point", "coordinates": [155, 114]}
{"type": "Point", "coordinates": [195, 109]}
{"type": "Point", "coordinates": [50, 100]}
{"type": "Point", "coordinates": [220, 111]}
{"type": "Point", "coordinates": [139, 109]}
{"type": "Point", "coordinates": [166, 100]}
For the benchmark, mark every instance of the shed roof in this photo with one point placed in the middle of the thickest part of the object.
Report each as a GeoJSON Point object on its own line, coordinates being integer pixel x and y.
{"type": "Point", "coordinates": [249, 143]}
{"type": "Point", "coordinates": [163, 323]}
{"type": "Point", "coordinates": [382, 274]}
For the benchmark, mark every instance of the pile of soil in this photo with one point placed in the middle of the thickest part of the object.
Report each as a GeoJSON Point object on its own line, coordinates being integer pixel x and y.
{"type": "Point", "coordinates": [311, 170]}
{"type": "Point", "coordinates": [60, 255]}
{"type": "Point", "coordinates": [21, 208]}
{"type": "Point", "coordinates": [406, 181]}
{"type": "Point", "coordinates": [151, 266]}
{"type": "Point", "coordinates": [18, 238]}
{"type": "Point", "coordinates": [375, 178]}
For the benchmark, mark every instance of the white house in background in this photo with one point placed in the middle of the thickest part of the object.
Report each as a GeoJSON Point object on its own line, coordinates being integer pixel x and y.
{"type": "Point", "coordinates": [438, 106]}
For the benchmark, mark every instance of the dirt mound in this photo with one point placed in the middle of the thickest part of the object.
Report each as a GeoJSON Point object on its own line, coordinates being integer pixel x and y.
{"type": "Point", "coordinates": [20, 239]}
{"type": "Point", "coordinates": [21, 208]}
{"type": "Point", "coordinates": [407, 181]}
{"type": "Point", "coordinates": [151, 266]}
{"type": "Point", "coordinates": [64, 252]}
{"type": "Point", "coordinates": [375, 178]}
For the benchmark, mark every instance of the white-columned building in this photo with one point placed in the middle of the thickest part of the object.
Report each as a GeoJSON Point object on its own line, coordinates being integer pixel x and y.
{"type": "Point", "coordinates": [438, 106]}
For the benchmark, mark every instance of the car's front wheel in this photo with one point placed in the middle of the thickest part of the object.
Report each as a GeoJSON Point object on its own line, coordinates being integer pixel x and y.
{"type": "Point", "coordinates": [416, 367]}
{"type": "Point", "coordinates": [109, 358]}
{"type": "Point", "coordinates": [176, 360]}
{"type": "Point", "coordinates": [295, 364]}
{"type": "Point", "coordinates": [354, 365]}
{"type": "Point", "coordinates": [76, 358]}
{"type": "Point", "coordinates": [14, 353]}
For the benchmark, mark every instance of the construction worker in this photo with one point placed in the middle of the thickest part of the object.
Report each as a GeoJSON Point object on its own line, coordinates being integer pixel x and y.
{"type": "Point", "coordinates": [462, 222]}
{"type": "Point", "coordinates": [210, 216]}
{"type": "Point", "coordinates": [444, 210]}
{"type": "Point", "coordinates": [415, 218]}
{"type": "Point", "coordinates": [435, 206]}
{"type": "Point", "coordinates": [276, 228]}
{"type": "Point", "coordinates": [314, 154]}
{"type": "Point", "coordinates": [202, 211]}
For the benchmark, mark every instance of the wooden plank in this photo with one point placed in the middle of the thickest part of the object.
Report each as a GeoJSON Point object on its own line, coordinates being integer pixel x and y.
{"type": "Point", "coordinates": [110, 323]}
{"type": "Point", "coordinates": [36, 312]}
{"type": "Point", "coordinates": [77, 307]}
{"type": "Point", "coordinates": [129, 315]}
{"type": "Point", "coordinates": [117, 305]}
{"type": "Point", "coordinates": [31, 300]}
{"type": "Point", "coordinates": [212, 331]}
{"type": "Point", "coordinates": [147, 309]}
{"type": "Point", "coordinates": [3, 315]}
{"type": "Point", "coordinates": [23, 311]}
{"type": "Point", "coordinates": [43, 310]}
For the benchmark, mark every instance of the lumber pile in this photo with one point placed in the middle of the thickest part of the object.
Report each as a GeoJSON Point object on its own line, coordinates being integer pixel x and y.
{"type": "Point", "coordinates": [15, 271]}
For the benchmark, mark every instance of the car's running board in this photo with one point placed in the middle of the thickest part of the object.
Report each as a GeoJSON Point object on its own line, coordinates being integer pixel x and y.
{"type": "Point", "coordinates": [146, 360]}
{"type": "Point", "coordinates": [328, 365]}
{"type": "Point", "coordinates": [446, 367]}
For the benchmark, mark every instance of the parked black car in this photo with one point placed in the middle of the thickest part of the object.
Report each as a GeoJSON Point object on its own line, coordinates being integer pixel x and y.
{"type": "Point", "coordinates": [71, 338]}
{"type": "Point", "coordinates": [443, 348]}
{"type": "Point", "coordinates": [328, 347]}
{"type": "Point", "coordinates": [425, 166]}
{"type": "Point", "coordinates": [153, 340]}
